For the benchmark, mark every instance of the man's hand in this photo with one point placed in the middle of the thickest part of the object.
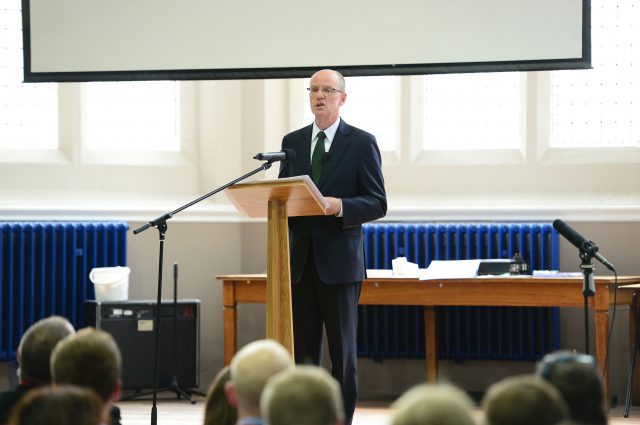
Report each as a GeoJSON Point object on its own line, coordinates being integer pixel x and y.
{"type": "Point", "coordinates": [335, 206]}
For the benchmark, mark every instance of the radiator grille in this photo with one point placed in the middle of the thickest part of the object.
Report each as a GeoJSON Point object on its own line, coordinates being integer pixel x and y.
{"type": "Point", "coordinates": [488, 333]}
{"type": "Point", "coordinates": [44, 271]}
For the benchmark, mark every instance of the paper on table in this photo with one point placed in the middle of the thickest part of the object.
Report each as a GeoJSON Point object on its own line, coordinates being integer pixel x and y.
{"type": "Point", "coordinates": [388, 274]}
{"type": "Point", "coordinates": [452, 269]}
{"type": "Point", "coordinates": [555, 273]}
{"type": "Point", "coordinates": [403, 268]}
{"type": "Point", "coordinates": [379, 273]}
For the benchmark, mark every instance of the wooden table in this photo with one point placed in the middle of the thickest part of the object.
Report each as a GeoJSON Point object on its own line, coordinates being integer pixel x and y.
{"type": "Point", "coordinates": [520, 291]}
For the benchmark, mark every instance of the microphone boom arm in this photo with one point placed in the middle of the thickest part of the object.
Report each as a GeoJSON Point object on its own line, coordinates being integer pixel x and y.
{"type": "Point", "coordinates": [164, 217]}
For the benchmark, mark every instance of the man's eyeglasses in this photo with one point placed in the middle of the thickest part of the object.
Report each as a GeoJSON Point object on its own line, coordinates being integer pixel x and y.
{"type": "Point", "coordinates": [326, 91]}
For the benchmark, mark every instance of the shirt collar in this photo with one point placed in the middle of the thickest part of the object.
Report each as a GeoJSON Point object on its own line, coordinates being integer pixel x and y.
{"type": "Point", "coordinates": [330, 131]}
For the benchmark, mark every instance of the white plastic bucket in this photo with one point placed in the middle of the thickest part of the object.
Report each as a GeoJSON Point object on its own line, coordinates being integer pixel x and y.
{"type": "Point", "coordinates": [110, 283]}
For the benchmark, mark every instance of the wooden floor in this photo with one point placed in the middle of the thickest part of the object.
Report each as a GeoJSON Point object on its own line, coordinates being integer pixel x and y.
{"type": "Point", "coordinates": [180, 412]}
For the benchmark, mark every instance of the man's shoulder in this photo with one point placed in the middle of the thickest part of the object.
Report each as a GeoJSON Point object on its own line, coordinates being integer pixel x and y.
{"type": "Point", "coordinates": [8, 396]}
{"type": "Point", "coordinates": [356, 131]}
{"type": "Point", "coordinates": [7, 400]}
{"type": "Point", "coordinates": [301, 132]}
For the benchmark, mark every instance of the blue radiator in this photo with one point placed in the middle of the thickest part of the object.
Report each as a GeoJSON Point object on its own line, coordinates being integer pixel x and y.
{"type": "Point", "coordinates": [487, 333]}
{"type": "Point", "coordinates": [44, 271]}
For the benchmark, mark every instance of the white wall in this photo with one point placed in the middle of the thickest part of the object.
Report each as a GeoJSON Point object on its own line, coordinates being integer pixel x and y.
{"type": "Point", "coordinates": [229, 122]}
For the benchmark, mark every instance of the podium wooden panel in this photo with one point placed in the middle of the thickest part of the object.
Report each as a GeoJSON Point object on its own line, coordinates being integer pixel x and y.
{"type": "Point", "coordinates": [277, 200]}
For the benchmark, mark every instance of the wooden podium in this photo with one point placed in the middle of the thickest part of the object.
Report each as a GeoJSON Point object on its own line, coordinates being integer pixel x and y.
{"type": "Point", "coordinates": [277, 200]}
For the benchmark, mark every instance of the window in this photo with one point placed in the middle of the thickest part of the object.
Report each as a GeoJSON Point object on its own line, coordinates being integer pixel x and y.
{"type": "Point", "coordinates": [132, 116]}
{"type": "Point", "coordinates": [472, 111]}
{"type": "Point", "coordinates": [118, 116]}
{"type": "Point", "coordinates": [28, 112]}
{"type": "Point", "coordinates": [601, 107]}
{"type": "Point", "coordinates": [81, 137]}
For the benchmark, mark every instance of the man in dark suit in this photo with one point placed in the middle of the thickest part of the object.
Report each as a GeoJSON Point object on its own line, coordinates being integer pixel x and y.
{"type": "Point", "coordinates": [327, 252]}
{"type": "Point", "coordinates": [34, 354]}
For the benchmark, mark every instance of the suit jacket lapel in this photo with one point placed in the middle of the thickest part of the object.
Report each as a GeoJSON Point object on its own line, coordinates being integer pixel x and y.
{"type": "Point", "coordinates": [304, 152]}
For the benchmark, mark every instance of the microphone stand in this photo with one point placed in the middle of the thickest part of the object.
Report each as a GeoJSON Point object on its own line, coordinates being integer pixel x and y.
{"type": "Point", "coordinates": [174, 386]}
{"type": "Point", "coordinates": [588, 290]}
{"type": "Point", "coordinates": [161, 224]}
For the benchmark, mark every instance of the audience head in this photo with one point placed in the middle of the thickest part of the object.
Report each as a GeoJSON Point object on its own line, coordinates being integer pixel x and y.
{"type": "Point", "coordinates": [251, 367]}
{"type": "Point", "coordinates": [305, 395]}
{"type": "Point", "coordinates": [576, 376]}
{"type": "Point", "coordinates": [36, 345]}
{"type": "Point", "coordinates": [218, 410]}
{"type": "Point", "coordinates": [524, 400]}
{"type": "Point", "coordinates": [429, 404]}
{"type": "Point", "coordinates": [60, 405]}
{"type": "Point", "coordinates": [91, 358]}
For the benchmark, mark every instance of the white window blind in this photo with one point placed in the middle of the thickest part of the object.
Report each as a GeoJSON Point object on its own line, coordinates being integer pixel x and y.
{"type": "Point", "coordinates": [372, 105]}
{"type": "Point", "coordinates": [132, 116]}
{"type": "Point", "coordinates": [601, 107]}
{"type": "Point", "coordinates": [28, 112]}
{"type": "Point", "coordinates": [472, 111]}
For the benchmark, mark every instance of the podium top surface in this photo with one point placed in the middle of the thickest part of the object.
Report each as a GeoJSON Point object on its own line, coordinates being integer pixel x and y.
{"type": "Point", "coordinates": [301, 195]}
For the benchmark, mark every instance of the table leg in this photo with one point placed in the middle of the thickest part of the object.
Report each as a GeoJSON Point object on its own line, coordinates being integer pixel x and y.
{"type": "Point", "coordinates": [230, 321]}
{"type": "Point", "coordinates": [430, 344]}
{"type": "Point", "coordinates": [633, 333]}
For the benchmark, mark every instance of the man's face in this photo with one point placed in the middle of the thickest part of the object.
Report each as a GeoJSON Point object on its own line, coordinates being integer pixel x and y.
{"type": "Point", "coordinates": [326, 106]}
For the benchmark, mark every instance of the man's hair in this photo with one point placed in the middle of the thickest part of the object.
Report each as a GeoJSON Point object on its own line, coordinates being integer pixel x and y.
{"type": "Point", "coordinates": [524, 400]}
{"type": "Point", "coordinates": [305, 395]}
{"type": "Point", "coordinates": [62, 405]}
{"type": "Point", "coordinates": [341, 81]}
{"type": "Point", "coordinates": [36, 345]}
{"type": "Point", "coordinates": [576, 376]}
{"type": "Point", "coordinates": [342, 84]}
{"type": "Point", "coordinates": [253, 365]}
{"type": "Point", "coordinates": [429, 404]}
{"type": "Point", "coordinates": [91, 358]}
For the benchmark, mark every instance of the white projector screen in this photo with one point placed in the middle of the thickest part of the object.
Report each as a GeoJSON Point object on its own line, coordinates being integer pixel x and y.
{"type": "Point", "coordinates": [89, 40]}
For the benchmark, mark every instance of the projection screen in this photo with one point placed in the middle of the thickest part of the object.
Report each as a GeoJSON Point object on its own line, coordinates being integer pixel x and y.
{"type": "Point", "coordinates": [90, 40]}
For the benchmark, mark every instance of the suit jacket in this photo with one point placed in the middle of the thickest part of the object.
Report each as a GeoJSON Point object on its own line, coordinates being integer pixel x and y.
{"type": "Point", "coordinates": [352, 172]}
{"type": "Point", "coordinates": [9, 398]}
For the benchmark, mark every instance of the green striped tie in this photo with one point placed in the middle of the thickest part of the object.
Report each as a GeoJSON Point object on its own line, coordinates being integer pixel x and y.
{"type": "Point", "coordinates": [317, 159]}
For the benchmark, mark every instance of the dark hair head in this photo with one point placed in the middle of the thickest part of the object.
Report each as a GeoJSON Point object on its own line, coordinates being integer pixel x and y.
{"type": "Point", "coordinates": [61, 405]}
{"type": "Point", "coordinates": [36, 345]}
{"type": "Point", "coordinates": [218, 410]}
{"type": "Point", "coordinates": [576, 376]}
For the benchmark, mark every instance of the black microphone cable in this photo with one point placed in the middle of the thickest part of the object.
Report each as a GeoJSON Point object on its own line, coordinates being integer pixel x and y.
{"type": "Point", "coordinates": [613, 321]}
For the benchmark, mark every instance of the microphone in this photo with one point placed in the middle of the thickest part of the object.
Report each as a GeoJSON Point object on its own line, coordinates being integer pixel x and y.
{"type": "Point", "coordinates": [580, 242]}
{"type": "Point", "coordinates": [286, 155]}
{"type": "Point", "coordinates": [325, 158]}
